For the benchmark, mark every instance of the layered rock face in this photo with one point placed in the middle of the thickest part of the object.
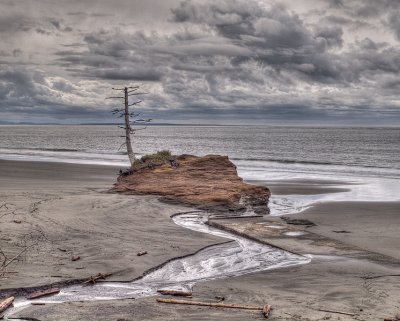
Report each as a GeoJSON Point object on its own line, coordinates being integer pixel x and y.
{"type": "Point", "coordinates": [208, 182]}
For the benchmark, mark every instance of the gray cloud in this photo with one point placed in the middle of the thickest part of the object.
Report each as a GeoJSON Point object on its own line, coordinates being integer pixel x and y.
{"type": "Point", "coordinates": [394, 23]}
{"type": "Point", "coordinates": [130, 74]}
{"type": "Point", "coordinates": [204, 59]}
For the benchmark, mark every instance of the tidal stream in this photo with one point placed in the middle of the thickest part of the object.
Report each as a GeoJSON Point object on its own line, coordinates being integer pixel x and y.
{"type": "Point", "coordinates": [238, 257]}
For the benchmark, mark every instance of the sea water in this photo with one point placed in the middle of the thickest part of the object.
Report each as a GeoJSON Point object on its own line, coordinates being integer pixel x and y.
{"type": "Point", "coordinates": [367, 158]}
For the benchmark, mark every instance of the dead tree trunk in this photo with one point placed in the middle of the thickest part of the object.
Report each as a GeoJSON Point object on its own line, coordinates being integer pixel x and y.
{"type": "Point", "coordinates": [128, 129]}
{"type": "Point", "coordinates": [130, 118]}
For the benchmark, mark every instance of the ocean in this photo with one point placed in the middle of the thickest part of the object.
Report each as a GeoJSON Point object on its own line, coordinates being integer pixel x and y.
{"type": "Point", "coordinates": [368, 158]}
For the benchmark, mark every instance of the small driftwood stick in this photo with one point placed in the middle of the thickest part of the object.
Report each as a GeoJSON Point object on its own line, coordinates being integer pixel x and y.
{"type": "Point", "coordinates": [142, 253]}
{"type": "Point", "coordinates": [175, 292]}
{"type": "Point", "coordinates": [338, 312]}
{"type": "Point", "coordinates": [266, 310]}
{"type": "Point", "coordinates": [94, 278]}
{"type": "Point", "coordinates": [211, 304]}
{"type": "Point", "coordinates": [378, 276]}
{"type": "Point", "coordinates": [4, 305]}
{"type": "Point", "coordinates": [18, 255]}
{"type": "Point", "coordinates": [39, 294]}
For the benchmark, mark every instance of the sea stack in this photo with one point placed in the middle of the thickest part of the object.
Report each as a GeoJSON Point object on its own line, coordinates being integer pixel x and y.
{"type": "Point", "coordinates": [209, 182]}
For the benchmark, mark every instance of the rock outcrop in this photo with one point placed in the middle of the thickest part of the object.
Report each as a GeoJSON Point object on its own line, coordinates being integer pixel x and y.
{"type": "Point", "coordinates": [207, 182]}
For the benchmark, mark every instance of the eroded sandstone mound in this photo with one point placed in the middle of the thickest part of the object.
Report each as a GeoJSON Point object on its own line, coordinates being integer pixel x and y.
{"type": "Point", "coordinates": [209, 182]}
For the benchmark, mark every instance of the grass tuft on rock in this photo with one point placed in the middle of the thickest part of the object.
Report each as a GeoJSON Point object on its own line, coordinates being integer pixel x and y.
{"type": "Point", "coordinates": [153, 160]}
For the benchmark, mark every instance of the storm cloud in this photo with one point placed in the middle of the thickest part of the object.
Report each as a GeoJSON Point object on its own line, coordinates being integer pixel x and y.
{"type": "Point", "coordinates": [238, 61]}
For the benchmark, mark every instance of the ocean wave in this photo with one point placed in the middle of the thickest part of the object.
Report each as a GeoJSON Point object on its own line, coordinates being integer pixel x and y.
{"type": "Point", "coordinates": [44, 149]}
{"type": "Point", "coordinates": [58, 149]}
{"type": "Point", "coordinates": [308, 162]}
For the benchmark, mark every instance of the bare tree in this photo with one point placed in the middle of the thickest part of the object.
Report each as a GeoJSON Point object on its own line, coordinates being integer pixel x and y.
{"type": "Point", "coordinates": [130, 118]}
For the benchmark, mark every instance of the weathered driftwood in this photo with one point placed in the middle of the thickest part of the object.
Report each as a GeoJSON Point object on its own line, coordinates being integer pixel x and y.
{"type": "Point", "coordinates": [392, 319]}
{"type": "Point", "coordinates": [175, 292]}
{"type": "Point", "coordinates": [5, 264]}
{"type": "Point", "coordinates": [39, 294]}
{"type": "Point", "coordinates": [338, 312]}
{"type": "Point", "coordinates": [141, 253]}
{"type": "Point", "coordinates": [94, 278]}
{"type": "Point", "coordinates": [370, 277]}
{"type": "Point", "coordinates": [211, 304]}
{"type": "Point", "coordinates": [4, 305]}
{"type": "Point", "coordinates": [265, 309]}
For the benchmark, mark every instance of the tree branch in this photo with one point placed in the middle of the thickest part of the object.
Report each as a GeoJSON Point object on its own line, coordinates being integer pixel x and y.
{"type": "Point", "coordinates": [123, 144]}
{"type": "Point", "coordinates": [135, 103]}
{"type": "Point", "coordinates": [137, 129]}
{"type": "Point", "coordinates": [116, 111]}
{"type": "Point", "coordinates": [141, 121]}
{"type": "Point", "coordinates": [135, 94]}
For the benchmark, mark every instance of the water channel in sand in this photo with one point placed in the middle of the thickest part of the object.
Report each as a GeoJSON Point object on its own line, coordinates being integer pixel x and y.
{"type": "Point", "coordinates": [238, 257]}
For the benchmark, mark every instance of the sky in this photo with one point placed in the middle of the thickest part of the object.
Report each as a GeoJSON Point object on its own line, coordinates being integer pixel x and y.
{"type": "Point", "coordinates": [283, 62]}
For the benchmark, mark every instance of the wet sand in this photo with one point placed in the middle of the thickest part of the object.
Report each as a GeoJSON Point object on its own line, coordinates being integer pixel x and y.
{"type": "Point", "coordinates": [66, 209]}
{"type": "Point", "coordinates": [303, 186]}
{"type": "Point", "coordinates": [70, 205]}
{"type": "Point", "coordinates": [372, 226]}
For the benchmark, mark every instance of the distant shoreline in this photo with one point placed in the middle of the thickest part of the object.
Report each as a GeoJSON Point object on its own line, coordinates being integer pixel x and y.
{"type": "Point", "coordinates": [211, 125]}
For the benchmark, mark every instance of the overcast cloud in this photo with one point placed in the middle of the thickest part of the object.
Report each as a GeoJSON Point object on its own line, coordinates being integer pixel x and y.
{"type": "Point", "coordinates": [219, 61]}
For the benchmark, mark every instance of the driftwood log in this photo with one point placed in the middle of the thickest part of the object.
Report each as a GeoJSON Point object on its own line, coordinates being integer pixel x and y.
{"type": "Point", "coordinates": [266, 309]}
{"type": "Point", "coordinates": [39, 294]}
{"type": "Point", "coordinates": [4, 305]}
{"type": "Point", "coordinates": [370, 277]}
{"type": "Point", "coordinates": [94, 278]}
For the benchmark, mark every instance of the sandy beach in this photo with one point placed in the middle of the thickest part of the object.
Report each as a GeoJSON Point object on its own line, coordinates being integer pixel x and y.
{"type": "Point", "coordinates": [66, 211]}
